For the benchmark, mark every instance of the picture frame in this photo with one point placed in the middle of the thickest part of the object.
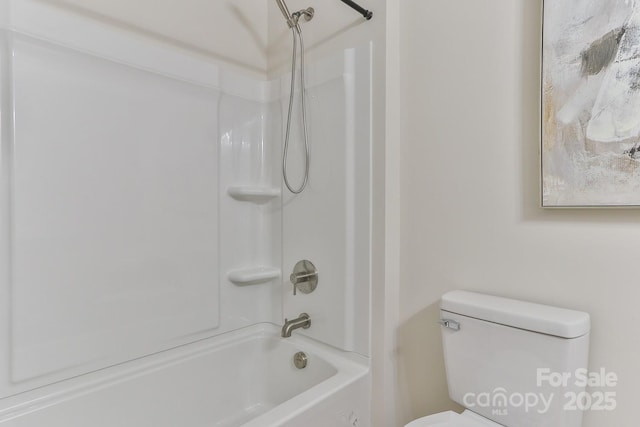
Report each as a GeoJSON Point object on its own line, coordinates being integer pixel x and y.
{"type": "Point", "coordinates": [590, 130]}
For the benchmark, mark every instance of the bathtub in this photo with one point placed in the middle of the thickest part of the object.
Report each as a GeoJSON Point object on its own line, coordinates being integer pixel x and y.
{"type": "Point", "coordinates": [243, 378]}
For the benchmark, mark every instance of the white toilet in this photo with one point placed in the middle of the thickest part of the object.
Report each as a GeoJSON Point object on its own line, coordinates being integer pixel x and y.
{"type": "Point", "coordinates": [511, 363]}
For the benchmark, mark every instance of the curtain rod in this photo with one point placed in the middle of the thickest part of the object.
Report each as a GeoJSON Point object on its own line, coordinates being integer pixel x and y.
{"type": "Point", "coordinates": [364, 12]}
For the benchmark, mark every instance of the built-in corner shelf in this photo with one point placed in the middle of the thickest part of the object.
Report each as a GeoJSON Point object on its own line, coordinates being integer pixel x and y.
{"type": "Point", "coordinates": [253, 194]}
{"type": "Point", "coordinates": [254, 275]}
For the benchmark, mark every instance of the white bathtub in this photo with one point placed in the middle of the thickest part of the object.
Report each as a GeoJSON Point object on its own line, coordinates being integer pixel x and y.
{"type": "Point", "coordinates": [244, 378]}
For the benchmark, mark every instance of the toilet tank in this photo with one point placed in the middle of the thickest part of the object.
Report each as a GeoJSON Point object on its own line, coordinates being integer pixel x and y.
{"type": "Point", "coordinates": [514, 362]}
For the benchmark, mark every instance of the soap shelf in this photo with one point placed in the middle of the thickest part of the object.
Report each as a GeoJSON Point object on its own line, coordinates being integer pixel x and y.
{"type": "Point", "coordinates": [253, 194]}
{"type": "Point", "coordinates": [254, 275]}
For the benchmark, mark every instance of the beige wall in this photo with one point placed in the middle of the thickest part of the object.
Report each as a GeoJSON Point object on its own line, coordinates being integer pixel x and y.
{"type": "Point", "coordinates": [233, 32]}
{"type": "Point", "coordinates": [470, 205]}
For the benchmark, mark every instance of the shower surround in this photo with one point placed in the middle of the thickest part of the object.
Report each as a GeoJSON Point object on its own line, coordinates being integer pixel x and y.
{"type": "Point", "coordinates": [145, 238]}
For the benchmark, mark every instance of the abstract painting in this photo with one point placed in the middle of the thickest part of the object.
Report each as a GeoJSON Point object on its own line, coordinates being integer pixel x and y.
{"type": "Point", "coordinates": [591, 103]}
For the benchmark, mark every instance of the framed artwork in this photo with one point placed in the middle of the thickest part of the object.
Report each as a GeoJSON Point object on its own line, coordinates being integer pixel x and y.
{"type": "Point", "coordinates": [591, 103]}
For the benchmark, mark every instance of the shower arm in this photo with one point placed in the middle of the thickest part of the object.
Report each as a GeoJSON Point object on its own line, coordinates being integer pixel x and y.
{"type": "Point", "coordinates": [361, 10]}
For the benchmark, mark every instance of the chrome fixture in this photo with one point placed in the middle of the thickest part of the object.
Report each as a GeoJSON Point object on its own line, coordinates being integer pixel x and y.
{"type": "Point", "coordinates": [292, 18]}
{"type": "Point", "coordinates": [293, 23]}
{"type": "Point", "coordinates": [450, 324]}
{"type": "Point", "coordinates": [308, 14]}
{"type": "Point", "coordinates": [304, 277]}
{"type": "Point", "coordinates": [303, 321]}
{"type": "Point", "coordinates": [300, 360]}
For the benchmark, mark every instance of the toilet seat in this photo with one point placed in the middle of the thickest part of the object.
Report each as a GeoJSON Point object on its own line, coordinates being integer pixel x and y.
{"type": "Point", "coordinates": [452, 419]}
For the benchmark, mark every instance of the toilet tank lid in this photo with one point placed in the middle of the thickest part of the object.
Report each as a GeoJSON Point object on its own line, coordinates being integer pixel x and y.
{"type": "Point", "coordinates": [540, 318]}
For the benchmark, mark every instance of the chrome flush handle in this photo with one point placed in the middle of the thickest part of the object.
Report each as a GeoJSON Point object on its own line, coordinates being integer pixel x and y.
{"type": "Point", "coordinates": [450, 324]}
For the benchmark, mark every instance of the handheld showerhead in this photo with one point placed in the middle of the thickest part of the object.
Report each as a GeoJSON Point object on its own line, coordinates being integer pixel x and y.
{"type": "Point", "coordinates": [285, 11]}
{"type": "Point", "coordinates": [292, 20]}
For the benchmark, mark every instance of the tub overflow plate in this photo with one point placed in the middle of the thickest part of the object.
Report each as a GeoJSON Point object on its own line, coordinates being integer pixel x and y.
{"type": "Point", "coordinates": [300, 360]}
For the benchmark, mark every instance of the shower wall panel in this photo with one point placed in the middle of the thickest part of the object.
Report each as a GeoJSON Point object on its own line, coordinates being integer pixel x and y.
{"type": "Point", "coordinates": [111, 211]}
{"type": "Point", "coordinates": [141, 204]}
{"type": "Point", "coordinates": [329, 223]}
{"type": "Point", "coordinates": [118, 227]}
{"type": "Point", "coordinates": [250, 213]}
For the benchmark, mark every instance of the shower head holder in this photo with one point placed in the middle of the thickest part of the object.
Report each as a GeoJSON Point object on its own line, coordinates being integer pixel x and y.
{"type": "Point", "coordinates": [307, 13]}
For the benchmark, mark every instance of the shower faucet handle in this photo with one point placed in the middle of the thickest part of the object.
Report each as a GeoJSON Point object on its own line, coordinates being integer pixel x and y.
{"type": "Point", "coordinates": [304, 277]}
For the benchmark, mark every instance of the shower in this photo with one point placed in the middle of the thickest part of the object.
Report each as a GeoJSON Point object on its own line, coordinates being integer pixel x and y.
{"type": "Point", "coordinates": [296, 31]}
{"type": "Point", "coordinates": [292, 20]}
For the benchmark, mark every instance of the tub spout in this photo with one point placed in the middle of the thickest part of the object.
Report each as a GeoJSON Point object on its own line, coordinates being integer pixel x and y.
{"type": "Point", "coordinates": [303, 321]}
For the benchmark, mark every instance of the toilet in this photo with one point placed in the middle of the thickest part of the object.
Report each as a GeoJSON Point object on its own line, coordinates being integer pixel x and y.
{"type": "Point", "coordinates": [511, 363]}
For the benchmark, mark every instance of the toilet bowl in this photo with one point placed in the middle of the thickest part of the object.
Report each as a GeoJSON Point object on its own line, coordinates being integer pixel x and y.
{"type": "Point", "coordinates": [453, 419]}
{"type": "Point", "coordinates": [495, 350]}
